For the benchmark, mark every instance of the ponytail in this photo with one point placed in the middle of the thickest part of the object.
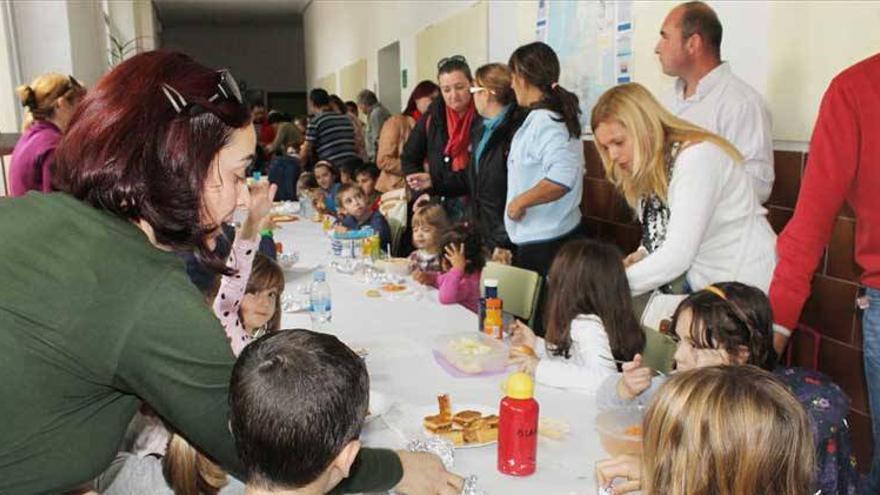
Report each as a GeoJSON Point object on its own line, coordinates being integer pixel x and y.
{"type": "Point", "coordinates": [538, 65]}
{"type": "Point", "coordinates": [567, 105]}
{"type": "Point", "coordinates": [188, 472]}
{"type": "Point", "coordinates": [39, 97]}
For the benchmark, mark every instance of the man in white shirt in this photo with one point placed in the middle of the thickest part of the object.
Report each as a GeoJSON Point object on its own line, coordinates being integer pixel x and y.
{"type": "Point", "coordinates": [709, 95]}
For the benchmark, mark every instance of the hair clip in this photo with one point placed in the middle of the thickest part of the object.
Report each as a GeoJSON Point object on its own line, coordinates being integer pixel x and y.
{"type": "Point", "coordinates": [31, 100]}
{"type": "Point", "coordinates": [174, 97]}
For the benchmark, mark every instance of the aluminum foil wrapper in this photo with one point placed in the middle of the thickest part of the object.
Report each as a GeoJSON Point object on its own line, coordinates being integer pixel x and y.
{"type": "Point", "coordinates": [442, 448]}
{"type": "Point", "coordinates": [445, 450]}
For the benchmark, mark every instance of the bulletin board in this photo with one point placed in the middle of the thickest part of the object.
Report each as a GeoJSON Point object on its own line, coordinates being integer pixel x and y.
{"type": "Point", "coordinates": [328, 83]}
{"type": "Point", "coordinates": [352, 79]}
{"type": "Point", "coordinates": [465, 33]}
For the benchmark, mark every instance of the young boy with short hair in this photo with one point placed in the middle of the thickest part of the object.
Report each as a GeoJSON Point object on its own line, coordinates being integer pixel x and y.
{"type": "Point", "coordinates": [358, 213]}
{"type": "Point", "coordinates": [297, 400]}
{"type": "Point", "coordinates": [366, 179]}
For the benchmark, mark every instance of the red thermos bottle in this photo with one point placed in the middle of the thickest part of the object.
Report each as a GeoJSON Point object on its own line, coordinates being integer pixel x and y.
{"type": "Point", "coordinates": [518, 427]}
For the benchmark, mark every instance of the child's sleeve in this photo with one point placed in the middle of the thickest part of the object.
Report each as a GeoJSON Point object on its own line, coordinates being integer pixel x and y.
{"type": "Point", "coordinates": [585, 370]}
{"type": "Point", "coordinates": [380, 226]}
{"type": "Point", "coordinates": [450, 286]}
{"type": "Point", "coordinates": [232, 288]}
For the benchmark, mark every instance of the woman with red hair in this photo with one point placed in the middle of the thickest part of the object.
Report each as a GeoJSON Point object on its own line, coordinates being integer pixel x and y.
{"type": "Point", "coordinates": [97, 315]}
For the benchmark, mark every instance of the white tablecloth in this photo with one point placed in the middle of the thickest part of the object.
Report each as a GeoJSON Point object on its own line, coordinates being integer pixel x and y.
{"type": "Point", "coordinates": [398, 335]}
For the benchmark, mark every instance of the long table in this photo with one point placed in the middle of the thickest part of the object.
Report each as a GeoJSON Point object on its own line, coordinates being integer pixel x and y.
{"type": "Point", "coordinates": [399, 336]}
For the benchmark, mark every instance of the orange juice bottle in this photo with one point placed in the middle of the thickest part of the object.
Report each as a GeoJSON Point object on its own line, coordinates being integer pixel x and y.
{"type": "Point", "coordinates": [493, 323]}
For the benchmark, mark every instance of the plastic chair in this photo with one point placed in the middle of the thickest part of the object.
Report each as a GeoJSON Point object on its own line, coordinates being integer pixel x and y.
{"type": "Point", "coordinates": [659, 353]}
{"type": "Point", "coordinates": [517, 287]}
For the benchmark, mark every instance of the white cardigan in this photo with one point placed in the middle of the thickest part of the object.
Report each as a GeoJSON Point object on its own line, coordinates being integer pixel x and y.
{"type": "Point", "coordinates": [585, 370]}
{"type": "Point", "coordinates": [717, 231]}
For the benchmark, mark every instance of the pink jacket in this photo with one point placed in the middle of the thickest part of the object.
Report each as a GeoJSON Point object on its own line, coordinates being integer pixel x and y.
{"type": "Point", "coordinates": [458, 287]}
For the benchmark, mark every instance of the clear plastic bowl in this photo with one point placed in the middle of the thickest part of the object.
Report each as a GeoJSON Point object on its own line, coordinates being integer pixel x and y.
{"type": "Point", "coordinates": [612, 425]}
{"type": "Point", "coordinates": [473, 352]}
{"type": "Point", "coordinates": [399, 267]}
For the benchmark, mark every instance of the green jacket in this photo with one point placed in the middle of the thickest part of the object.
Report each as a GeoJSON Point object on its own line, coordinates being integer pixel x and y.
{"type": "Point", "coordinates": [93, 320]}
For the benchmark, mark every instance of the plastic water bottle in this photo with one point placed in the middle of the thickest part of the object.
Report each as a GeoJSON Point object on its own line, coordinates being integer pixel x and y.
{"type": "Point", "coordinates": [305, 206]}
{"type": "Point", "coordinates": [320, 305]}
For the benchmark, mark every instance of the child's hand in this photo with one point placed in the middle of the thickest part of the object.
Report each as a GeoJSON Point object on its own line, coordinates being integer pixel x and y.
{"type": "Point", "coordinates": [262, 193]}
{"type": "Point", "coordinates": [635, 380]}
{"type": "Point", "coordinates": [339, 229]}
{"type": "Point", "coordinates": [524, 359]}
{"type": "Point", "coordinates": [455, 256]}
{"type": "Point", "coordinates": [522, 335]}
{"type": "Point", "coordinates": [516, 210]}
{"type": "Point", "coordinates": [421, 277]}
{"type": "Point", "coordinates": [623, 466]}
{"type": "Point", "coordinates": [503, 256]}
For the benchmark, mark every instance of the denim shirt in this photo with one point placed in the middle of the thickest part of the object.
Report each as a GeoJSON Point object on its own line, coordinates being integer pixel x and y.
{"type": "Point", "coordinates": [543, 149]}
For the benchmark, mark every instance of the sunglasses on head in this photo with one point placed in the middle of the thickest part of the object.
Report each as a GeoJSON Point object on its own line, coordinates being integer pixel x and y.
{"type": "Point", "coordinates": [455, 58]}
{"type": "Point", "coordinates": [227, 89]}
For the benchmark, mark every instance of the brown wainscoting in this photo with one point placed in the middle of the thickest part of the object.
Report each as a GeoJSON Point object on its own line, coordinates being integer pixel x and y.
{"type": "Point", "coordinates": [831, 308]}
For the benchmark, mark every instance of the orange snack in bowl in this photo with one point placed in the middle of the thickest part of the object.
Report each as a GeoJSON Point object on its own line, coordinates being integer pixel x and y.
{"type": "Point", "coordinates": [633, 431]}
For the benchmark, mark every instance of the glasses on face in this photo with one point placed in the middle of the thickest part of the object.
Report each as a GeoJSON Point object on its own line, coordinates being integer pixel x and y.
{"type": "Point", "coordinates": [227, 89]}
{"type": "Point", "coordinates": [455, 58]}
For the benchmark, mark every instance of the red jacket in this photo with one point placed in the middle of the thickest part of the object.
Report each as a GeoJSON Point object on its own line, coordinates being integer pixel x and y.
{"type": "Point", "coordinates": [843, 164]}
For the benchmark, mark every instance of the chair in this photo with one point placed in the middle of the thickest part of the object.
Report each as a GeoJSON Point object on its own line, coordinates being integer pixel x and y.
{"type": "Point", "coordinates": [517, 287]}
{"type": "Point", "coordinates": [394, 210]}
{"type": "Point", "coordinates": [816, 338]}
{"type": "Point", "coordinates": [659, 353]}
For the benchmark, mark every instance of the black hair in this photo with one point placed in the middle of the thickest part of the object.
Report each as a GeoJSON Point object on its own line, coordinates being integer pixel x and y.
{"type": "Point", "coordinates": [538, 65]}
{"type": "Point", "coordinates": [699, 18]}
{"type": "Point", "coordinates": [455, 64]}
{"type": "Point", "coordinates": [474, 249]}
{"type": "Point", "coordinates": [367, 97]}
{"type": "Point", "coordinates": [368, 168]}
{"type": "Point", "coordinates": [352, 107]}
{"type": "Point", "coordinates": [319, 97]}
{"type": "Point", "coordinates": [740, 318]}
{"type": "Point", "coordinates": [349, 165]}
{"type": "Point", "coordinates": [337, 103]}
{"type": "Point", "coordinates": [588, 277]}
{"type": "Point", "coordinates": [296, 399]}
{"type": "Point", "coordinates": [275, 117]}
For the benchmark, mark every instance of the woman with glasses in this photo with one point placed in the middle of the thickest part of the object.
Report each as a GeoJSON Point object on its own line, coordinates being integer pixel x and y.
{"type": "Point", "coordinates": [732, 324]}
{"type": "Point", "coordinates": [49, 103]}
{"type": "Point", "coordinates": [501, 117]}
{"type": "Point", "coordinates": [97, 314]}
{"type": "Point", "coordinates": [438, 150]}
{"type": "Point", "coordinates": [545, 166]}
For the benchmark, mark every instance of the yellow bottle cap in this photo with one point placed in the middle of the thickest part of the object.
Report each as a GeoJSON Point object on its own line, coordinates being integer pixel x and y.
{"type": "Point", "coordinates": [520, 386]}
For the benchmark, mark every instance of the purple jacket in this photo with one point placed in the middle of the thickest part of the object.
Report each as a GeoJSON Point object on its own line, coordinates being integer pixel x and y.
{"type": "Point", "coordinates": [32, 159]}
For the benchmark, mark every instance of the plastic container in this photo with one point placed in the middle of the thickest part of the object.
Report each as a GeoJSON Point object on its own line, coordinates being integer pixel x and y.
{"type": "Point", "coordinates": [472, 353]}
{"type": "Point", "coordinates": [399, 267]}
{"type": "Point", "coordinates": [620, 429]}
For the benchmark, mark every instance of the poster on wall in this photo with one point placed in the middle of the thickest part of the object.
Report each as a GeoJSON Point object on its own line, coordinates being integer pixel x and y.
{"type": "Point", "coordinates": [594, 43]}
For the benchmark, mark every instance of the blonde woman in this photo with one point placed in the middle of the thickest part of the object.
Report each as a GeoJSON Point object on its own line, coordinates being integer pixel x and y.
{"type": "Point", "coordinates": [728, 430]}
{"type": "Point", "coordinates": [699, 211]}
{"type": "Point", "coordinates": [49, 102]}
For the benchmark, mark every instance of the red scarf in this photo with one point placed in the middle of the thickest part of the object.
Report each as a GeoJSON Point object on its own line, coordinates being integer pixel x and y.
{"type": "Point", "coordinates": [459, 128]}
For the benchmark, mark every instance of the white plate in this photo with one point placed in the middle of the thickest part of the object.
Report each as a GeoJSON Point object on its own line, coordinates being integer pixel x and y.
{"type": "Point", "coordinates": [379, 405]}
{"type": "Point", "coordinates": [481, 408]}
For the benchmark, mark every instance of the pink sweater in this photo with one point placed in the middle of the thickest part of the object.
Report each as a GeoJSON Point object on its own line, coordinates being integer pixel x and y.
{"type": "Point", "coordinates": [232, 289]}
{"type": "Point", "coordinates": [455, 286]}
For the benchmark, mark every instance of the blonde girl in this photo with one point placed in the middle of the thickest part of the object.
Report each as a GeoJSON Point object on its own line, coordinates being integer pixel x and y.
{"type": "Point", "coordinates": [49, 102]}
{"type": "Point", "coordinates": [727, 430]}
{"type": "Point", "coordinates": [430, 223]}
{"type": "Point", "coordinates": [700, 215]}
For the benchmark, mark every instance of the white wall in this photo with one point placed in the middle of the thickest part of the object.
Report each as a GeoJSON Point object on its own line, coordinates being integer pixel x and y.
{"type": "Point", "coordinates": [266, 56]}
{"type": "Point", "coordinates": [42, 33]}
{"type": "Point", "coordinates": [88, 46]}
{"type": "Point", "coordinates": [9, 107]}
{"type": "Point", "coordinates": [339, 33]}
